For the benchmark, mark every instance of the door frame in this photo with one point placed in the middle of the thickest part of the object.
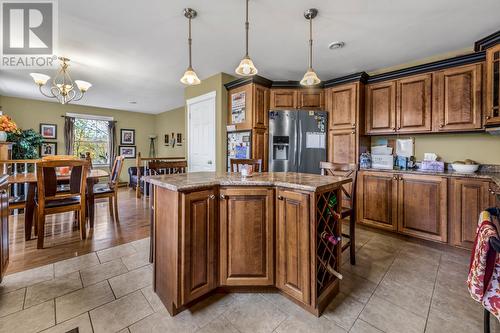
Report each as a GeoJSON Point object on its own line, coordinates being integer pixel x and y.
{"type": "Point", "coordinates": [208, 96]}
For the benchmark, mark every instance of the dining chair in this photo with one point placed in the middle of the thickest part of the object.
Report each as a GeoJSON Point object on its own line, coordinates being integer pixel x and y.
{"type": "Point", "coordinates": [167, 167]}
{"type": "Point", "coordinates": [50, 201]}
{"type": "Point", "coordinates": [236, 164]}
{"type": "Point", "coordinates": [349, 196]}
{"type": "Point", "coordinates": [110, 190]}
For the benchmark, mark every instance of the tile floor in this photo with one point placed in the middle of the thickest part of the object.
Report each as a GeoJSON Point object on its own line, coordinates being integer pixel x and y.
{"type": "Point", "coordinates": [396, 286]}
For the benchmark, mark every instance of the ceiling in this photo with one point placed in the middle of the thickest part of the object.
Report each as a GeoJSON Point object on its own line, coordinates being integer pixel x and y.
{"type": "Point", "coordinates": [137, 50]}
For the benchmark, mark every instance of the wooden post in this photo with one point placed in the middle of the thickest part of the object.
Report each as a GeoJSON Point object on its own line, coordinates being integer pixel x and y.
{"type": "Point", "coordinates": [138, 187]}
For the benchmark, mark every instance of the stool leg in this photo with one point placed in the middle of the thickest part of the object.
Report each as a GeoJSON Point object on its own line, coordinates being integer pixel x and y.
{"type": "Point", "coordinates": [486, 321]}
{"type": "Point", "coordinates": [352, 236]}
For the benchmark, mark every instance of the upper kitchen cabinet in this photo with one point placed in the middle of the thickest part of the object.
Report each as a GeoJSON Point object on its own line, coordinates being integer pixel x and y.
{"type": "Point", "coordinates": [414, 104]}
{"type": "Point", "coordinates": [284, 99]}
{"type": "Point", "coordinates": [493, 85]}
{"type": "Point", "coordinates": [342, 106]}
{"type": "Point", "coordinates": [255, 101]}
{"type": "Point", "coordinates": [380, 109]}
{"type": "Point", "coordinates": [311, 99]}
{"type": "Point", "coordinates": [458, 98]}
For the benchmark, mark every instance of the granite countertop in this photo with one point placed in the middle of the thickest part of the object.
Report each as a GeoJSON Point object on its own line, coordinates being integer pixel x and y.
{"type": "Point", "coordinates": [196, 180]}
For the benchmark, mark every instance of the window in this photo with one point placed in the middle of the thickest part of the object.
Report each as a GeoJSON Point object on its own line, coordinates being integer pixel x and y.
{"type": "Point", "coordinates": [92, 135]}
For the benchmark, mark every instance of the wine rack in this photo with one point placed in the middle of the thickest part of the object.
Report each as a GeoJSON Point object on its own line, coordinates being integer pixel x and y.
{"type": "Point", "coordinates": [327, 253]}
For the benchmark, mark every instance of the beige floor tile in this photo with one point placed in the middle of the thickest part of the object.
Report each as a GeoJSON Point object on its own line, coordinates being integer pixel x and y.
{"type": "Point", "coordinates": [43, 291]}
{"type": "Point", "coordinates": [131, 281]}
{"type": "Point", "coordinates": [421, 252]}
{"type": "Point", "coordinates": [125, 330]}
{"type": "Point", "coordinates": [458, 257]}
{"type": "Point", "coordinates": [361, 326]}
{"type": "Point", "coordinates": [385, 243]}
{"type": "Point", "coordinates": [404, 276]}
{"type": "Point", "coordinates": [367, 269]}
{"type": "Point", "coordinates": [141, 245]}
{"type": "Point", "coordinates": [254, 315]}
{"type": "Point", "coordinates": [136, 260]}
{"type": "Point", "coordinates": [357, 287]}
{"type": "Point", "coordinates": [75, 264]}
{"type": "Point", "coordinates": [218, 325]}
{"type": "Point", "coordinates": [12, 302]}
{"type": "Point", "coordinates": [380, 256]}
{"type": "Point", "coordinates": [163, 322]}
{"type": "Point", "coordinates": [452, 282]}
{"type": "Point", "coordinates": [417, 265]}
{"type": "Point", "coordinates": [153, 299]}
{"type": "Point", "coordinates": [283, 303]}
{"type": "Point", "coordinates": [455, 305]}
{"type": "Point", "coordinates": [82, 322]}
{"type": "Point", "coordinates": [34, 319]}
{"type": "Point", "coordinates": [439, 322]}
{"type": "Point", "coordinates": [343, 310]}
{"type": "Point", "coordinates": [102, 272]}
{"type": "Point", "coordinates": [83, 300]}
{"type": "Point", "coordinates": [116, 252]}
{"type": "Point", "coordinates": [26, 278]}
{"type": "Point", "coordinates": [302, 323]}
{"type": "Point", "coordinates": [207, 310]}
{"type": "Point", "coordinates": [391, 318]}
{"type": "Point", "coordinates": [413, 299]}
{"type": "Point", "coordinates": [120, 313]}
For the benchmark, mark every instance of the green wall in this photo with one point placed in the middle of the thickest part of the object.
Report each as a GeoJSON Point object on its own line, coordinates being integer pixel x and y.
{"type": "Point", "coordinates": [166, 123]}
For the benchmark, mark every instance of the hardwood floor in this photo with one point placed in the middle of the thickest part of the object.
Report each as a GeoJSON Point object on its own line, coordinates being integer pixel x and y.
{"type": "Point", "coordinates": [62, 238]}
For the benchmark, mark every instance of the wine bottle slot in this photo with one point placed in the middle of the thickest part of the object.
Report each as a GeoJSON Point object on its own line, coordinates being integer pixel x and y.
{"type": "Point", "coordinates": [331, 270]}
{"type": "Point", "coordinates": [330, 238]}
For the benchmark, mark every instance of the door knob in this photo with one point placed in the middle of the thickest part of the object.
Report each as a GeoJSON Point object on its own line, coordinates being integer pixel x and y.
{"type": "Point", "coordinates": [209, 162]}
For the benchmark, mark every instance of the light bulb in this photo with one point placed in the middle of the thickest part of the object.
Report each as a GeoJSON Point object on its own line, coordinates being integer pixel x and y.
{"type": "Point", "coordinates": [246, 69]}
{"type": "Point", "coordinates": [190, 79]}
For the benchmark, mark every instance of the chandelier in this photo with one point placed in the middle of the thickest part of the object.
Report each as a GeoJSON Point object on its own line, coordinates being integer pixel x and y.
{"type": "Point", "coordinates": [246, 66]}
{"type": "Point", "coordinates": [190, 78]}
{"type": "Point", "coordinates": [310, 77]}
{"type": "Point", "coordinates": [62, 88]}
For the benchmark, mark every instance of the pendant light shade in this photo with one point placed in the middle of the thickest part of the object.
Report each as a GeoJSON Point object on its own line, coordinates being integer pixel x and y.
{"type": "Point", "coordinates": [310, 77]}
{"type": "Point", "coordinates": [246, 66]}
{"type": "Point", "coordinates": [190, 78]}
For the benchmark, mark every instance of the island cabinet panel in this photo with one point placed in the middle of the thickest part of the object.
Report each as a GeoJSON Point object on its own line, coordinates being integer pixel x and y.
{"type": "Point", "coordinates": [414, 104]}
{"type": "Point", "coordinates": [377, 199]}
{"type": "Point", "coordinates": [457, 98]}
{"type": "Point", "coordinates": [246, 236]}
{"type": "Point", "coordinates": [342, 146]}
{"type": "Point", "coordinates": [311, 99]}
{"type": "Point", "coordinates": [381, 108]}
{"type": "Point", "coordinates": [4, 227]}
{"type": "Point", "coordinates": [342, 107]}
{"type": "Point", "coordinates": [422, 206]}
{"type": "Point", "coordinates": [198, 268]}
{"type": "Point", "coordinates": [284, 99]}
{"type": "Point", "coordinates": [493, 85]}
{"type": "Point", "coordinates": [293, 245]}
{"type": "Point", "coordinates": [468, 198]}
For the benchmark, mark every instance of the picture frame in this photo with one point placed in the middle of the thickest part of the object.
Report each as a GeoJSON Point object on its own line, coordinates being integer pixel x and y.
{"type": "Point", "coordinates": [48, 149]}
{"type": "Point", "coordinates": [167, 140]}
{"type": "Point", "coordinates": [179, 139]}
{"type": "Point", "coordinates": [127, 151]}
{"type": "Point", "coordinates": [127, 136]}
{"type": "Point", "coordinates": [48, 131]}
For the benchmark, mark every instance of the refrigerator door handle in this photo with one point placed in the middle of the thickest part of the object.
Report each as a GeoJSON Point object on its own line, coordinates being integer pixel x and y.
{"type": "Point", "coordinates": [299, 147]}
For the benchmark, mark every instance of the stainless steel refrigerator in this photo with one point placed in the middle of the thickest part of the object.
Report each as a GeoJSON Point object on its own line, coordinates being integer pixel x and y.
{"type": "Point", "coordinates": [297, 140]}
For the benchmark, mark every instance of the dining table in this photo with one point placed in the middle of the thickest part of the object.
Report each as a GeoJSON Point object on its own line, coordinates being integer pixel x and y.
{"type": "Point", "coordinates": [30, 178]}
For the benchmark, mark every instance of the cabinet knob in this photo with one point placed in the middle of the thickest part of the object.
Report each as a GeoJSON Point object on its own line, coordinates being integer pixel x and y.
{"type": "Point", "coordinates": [400, 178]}
{"type": "Point", "coordinates": [211, 197]}
{"type": "Point", "coordinates": [280, 197]}
{"type": "Point", "coordinates": [488, 117]}
{"type": "Point", "coordinates": [399, 127]}
{"type": "Point", "coordinates": [222, 196]}
{"type": "Point", "coordinates": [394, 129]}
{"type": "Point", "coordinates": [441, 125]}
{"type": "Point", "coordinates": [395, 177]}
{"type": "Point", "coordinates": [2, 192]}
{"type": "Point", "coordinates": [354, 125]}
{"type": "Point", "coordinates": [353, 132]}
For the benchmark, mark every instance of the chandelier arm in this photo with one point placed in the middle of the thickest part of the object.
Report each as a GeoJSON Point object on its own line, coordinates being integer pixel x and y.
{"type": "Point", "coordinates": [44, 94]}
{"type": "Point", "coordinates": [76, 99]}
{"type": "Point", "coordinates": [71, 96]}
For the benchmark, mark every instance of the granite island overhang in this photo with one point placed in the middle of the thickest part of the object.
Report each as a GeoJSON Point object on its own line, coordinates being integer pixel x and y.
{"type": "Point", "coordinates": [221, 232]}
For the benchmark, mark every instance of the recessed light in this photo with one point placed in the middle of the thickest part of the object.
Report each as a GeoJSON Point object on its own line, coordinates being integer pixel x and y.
{"type": "Point", "coordinates": [336, 45]}
{"type": "Point", "coordinates": [132, 102]}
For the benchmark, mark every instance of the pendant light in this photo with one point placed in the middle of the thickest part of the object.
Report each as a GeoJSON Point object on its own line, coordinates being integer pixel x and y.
{"type": "Point", "coordinates": [310, 78]}
{"type": "Point", "coordinates": [190, 78]}
{"type": "Point", "coordinates": [246, 66]}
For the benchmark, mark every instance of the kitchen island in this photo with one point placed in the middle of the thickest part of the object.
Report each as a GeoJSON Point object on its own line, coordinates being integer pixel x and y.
{"type": "Point", "coordinates": [221, 232]}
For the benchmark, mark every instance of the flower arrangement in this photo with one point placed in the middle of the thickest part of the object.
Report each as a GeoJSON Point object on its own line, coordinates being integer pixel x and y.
{"type": "Point", "coordinates": [8, 125]}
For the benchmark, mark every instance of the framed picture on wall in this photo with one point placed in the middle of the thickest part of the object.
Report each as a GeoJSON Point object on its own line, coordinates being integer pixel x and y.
{"type": "Point", "coordinates": [48, 149]}
{"type": "Point", "coordinates": [166, 140]}
{"type": "Point", "coordinates": [127, 136]}
{"type": "Point", "coordinates": [127, 151]}
{"type": "Point", "coordinates": [48, 131]}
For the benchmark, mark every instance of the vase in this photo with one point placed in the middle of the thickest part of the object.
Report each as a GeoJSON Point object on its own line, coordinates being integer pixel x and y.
{"type": "Point", "coordinates": [3, 136]}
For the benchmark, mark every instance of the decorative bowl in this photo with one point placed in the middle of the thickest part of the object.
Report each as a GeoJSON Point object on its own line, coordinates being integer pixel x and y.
{"type": "Point", "coordinates": [465, 168]}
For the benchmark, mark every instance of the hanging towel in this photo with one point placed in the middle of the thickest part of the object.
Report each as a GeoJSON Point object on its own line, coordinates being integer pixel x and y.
{"type": "Point", "coordinates": [484, 272]}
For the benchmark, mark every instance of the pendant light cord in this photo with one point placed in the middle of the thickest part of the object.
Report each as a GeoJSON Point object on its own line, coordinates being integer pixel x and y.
{"type": "Point", "coordinates": [190, 42]}
{"type": "Point", "coordinates": [246, 29]}
{"type": "Point", "coordinates": [310, 42]}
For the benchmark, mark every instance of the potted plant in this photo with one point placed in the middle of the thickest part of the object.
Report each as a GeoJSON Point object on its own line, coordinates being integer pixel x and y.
{"type": "Point", "coordinates": [6, 126]}
{"type": "Point", "coordinates": [26, 144]}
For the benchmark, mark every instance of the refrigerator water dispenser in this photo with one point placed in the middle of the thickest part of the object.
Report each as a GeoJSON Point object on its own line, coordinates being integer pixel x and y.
{"type": "Point", "coordinates": [280, 147]}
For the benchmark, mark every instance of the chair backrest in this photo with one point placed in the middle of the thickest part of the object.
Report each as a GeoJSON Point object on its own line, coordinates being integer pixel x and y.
{"type": "Point", "coordinates": [88, 158]}
{"type": "Point", "coordinates": [59, 158]}
{"type": "Point", "coordinates": [166, 167]}
{"type": "Point", "coordinates": [236, 164]}
{"type": "Point", "coordinates": [345, 170]}
{"type": "Point", "coordinates": [47, 179]}
{"type": "Point", "coordinates": [116, 170]}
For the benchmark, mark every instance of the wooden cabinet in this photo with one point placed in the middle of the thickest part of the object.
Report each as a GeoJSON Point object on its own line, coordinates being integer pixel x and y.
{"type": "Point", "coordinates": [457, 98]}
{"type": "Point", "coordinates": [4, 225]}
{"type": "Point", "coordinates": [377, 199]}
{"type": "Point", "coordinates": [414, 104]}
{"type": "Point", "coordinates": [422, 206]}
{"type": "Point", "coordinates": [260, 147]}
{"type": "Point", "coordinates": [198, 254]}
{"type": "Point", "coordinates": [342, 146]}
{"type": "Point", "coordinates": [468, 198]}
{"type": "Point", "coordinates": [256, 106]}
{"type": "Point", "coordinates": [493, 85]}
{"type": "Point", "coordinates": [311, 99]}
{"type": "Point", "coordinates": [246, 236]}
{"type": "Point", "coordinates": [342, 105]}
{"type": "Point", "coordinates": [380, 109]}
{"type": "Point", "coordinates": [293, 274]}
{"type": "Point", "coordinates": [284, 99]}
{"type": "Point", "coordinates": [260, 108]}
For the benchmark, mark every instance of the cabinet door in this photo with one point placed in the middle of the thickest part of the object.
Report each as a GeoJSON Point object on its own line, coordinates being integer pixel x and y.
{"type": "Point", "coordinates": [493, 85]}
{"type": "Point", "coordinates": [283, 99]}
{"type": "Point", "coordinates": [198, 266]}
{"type": "Point", "coordinates": [458, 98]}
{"type": "Point", "coordinates": [342, 146]}
{"type": "Point", "coordinates": [422, 206]}
{"type": "Point", "coordinates": [247, 124]}
{"type": "Point", "coordinates": [311, 99]}
{"type": "Point", "coordinates": [246, 236]}
{"type": "Point", "coordinates": [469, 197]}
{"type": "Point", "coordinates": [260, 105]}
{"type": "Point", "coordinates": [292, 228]}
{"type": "Point", "coordinates": [4, 229]}
{"type": "Point", "coordinates": [260, 148]}
{"type": "Point", "coordinates": [377, 199]}
{"type": "Point", "coordinates": [381, 108]}
{"type": "Point", "coordinates": [414, 104]}
{"type": "Point", "coordinates": [342, 107]}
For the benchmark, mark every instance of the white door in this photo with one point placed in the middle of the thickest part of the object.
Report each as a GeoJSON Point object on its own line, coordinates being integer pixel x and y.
{"type": "Point", "coordinates": [201, 133]}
